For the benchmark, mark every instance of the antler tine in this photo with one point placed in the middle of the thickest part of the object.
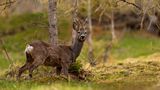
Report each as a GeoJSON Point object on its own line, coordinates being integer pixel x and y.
{"type": "Point", "coordinates": [78, 20]}
{"type": "Point", "coordinates": [86, 21]}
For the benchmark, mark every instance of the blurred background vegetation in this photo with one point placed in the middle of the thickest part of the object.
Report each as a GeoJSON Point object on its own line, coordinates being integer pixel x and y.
{"type": "Point", "coordinates": [136, 29]}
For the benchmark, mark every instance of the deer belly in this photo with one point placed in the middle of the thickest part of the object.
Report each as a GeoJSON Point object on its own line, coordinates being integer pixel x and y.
{"type": "Point", "coordinates": [51, 61]}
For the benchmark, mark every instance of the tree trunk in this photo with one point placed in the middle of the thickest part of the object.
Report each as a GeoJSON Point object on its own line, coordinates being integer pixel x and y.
{"type": "Point", "coordinates": [114, 38]}
{"type": "Point", "coordinates": [112, 27]}
{"type": "Point", "coordinates": [90, 43]}
{"type": "Point", "coordinates": [53, 22]}
{"type": "Point", "coordinates": [74, 15]}
{"type": "Point", "coordinates": [145, 9]}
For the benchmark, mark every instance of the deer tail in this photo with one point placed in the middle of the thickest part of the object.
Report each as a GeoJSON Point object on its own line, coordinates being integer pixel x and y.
{"type": "Point", "coordinates": [29, 49]}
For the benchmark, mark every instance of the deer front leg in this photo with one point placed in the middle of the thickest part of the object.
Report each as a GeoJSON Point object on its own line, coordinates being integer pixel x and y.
{"type": "Point", "coordinates": [65, 67]}
{"type": "Point", "coordinates": [58, 70]}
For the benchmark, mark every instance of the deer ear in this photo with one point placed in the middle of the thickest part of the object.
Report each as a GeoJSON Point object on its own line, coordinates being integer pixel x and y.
{"type": "Point", "coordinates": [75, 25]}
{"type": "Point", "coordinates": [86, 21]}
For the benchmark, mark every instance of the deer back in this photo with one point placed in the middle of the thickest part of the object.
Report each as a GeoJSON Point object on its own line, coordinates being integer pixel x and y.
{"type": "Point", "coordinates": [39, 49]}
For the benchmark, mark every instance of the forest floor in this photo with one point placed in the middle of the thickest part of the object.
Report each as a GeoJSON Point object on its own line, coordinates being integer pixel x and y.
{"type": "Point", "coordinates": [141, 73]}
{"type": "Point", "coordinates": [133, 63]}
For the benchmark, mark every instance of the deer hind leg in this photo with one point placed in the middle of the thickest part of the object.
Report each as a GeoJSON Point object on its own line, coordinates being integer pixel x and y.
{"type": "Point", "coordinates": [37, 62]}
{"type": "Point", "coordinates": [58, 70]}
{"type": "Point", "coordinates": [29, 60]}
{"type": "Point", "coordinates": [23, 68]}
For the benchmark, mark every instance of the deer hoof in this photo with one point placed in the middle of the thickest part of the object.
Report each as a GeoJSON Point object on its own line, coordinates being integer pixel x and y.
{"type": "Point", "coordinates": [63, 76]}
{"type": "Point", "coordinates": [17, 77]}
{"type": "Point", "coordinates": [66, 77]}
{"type": "Point", "coordinates": [27, 78]}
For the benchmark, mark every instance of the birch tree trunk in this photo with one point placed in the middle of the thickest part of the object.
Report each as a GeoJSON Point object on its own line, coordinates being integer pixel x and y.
{"type": "Point", "coordinates": [114, 38]}
{"type": "Point", "coordinates": [53, 22]}
{"type": "Point", "coordinates": [90, 43]}
{"type": "Point", "coordinates": [145, 9]}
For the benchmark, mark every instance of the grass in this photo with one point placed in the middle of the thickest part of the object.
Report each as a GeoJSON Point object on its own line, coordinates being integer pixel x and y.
{"type": "Point", "coordinates": [120, 75]}
{"type": "Point", "coordinates": [51, 85]}
{"type": "Point", "coordinates": [140, 74]}
{"type": "Point", "coordinates": [135, 45]}
{"type": "Point", "coordinates": [54, 85]}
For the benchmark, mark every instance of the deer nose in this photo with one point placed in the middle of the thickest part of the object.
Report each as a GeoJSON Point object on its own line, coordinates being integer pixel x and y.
{"type": "Point", "coordinates": [82, 37]}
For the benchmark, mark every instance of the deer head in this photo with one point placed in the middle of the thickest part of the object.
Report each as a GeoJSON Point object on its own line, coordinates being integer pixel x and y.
{"type": "Point", "coordinates": [81, 29]}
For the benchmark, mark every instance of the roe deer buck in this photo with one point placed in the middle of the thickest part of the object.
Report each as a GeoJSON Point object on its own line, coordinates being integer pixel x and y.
{"type": "Point", "coordinates": [59, 56]}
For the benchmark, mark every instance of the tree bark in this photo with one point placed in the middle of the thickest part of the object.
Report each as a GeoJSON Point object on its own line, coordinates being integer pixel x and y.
{"type": "Point", "coordinates": [145, 9]}
{"type": "Point", "coordinates": [114, 37]}
{"type": "Point", "coordinates": [90, 42]}
{"type": "Point", "coordinates": [53, 22]}
{"type": "Point", "coordinates": [112, 27]}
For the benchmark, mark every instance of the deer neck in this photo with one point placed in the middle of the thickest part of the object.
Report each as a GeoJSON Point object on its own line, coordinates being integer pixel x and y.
{"type": "Point", "coordinates": [76, 48]}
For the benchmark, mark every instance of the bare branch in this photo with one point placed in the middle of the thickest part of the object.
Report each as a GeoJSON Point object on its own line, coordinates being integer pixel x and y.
{"type": "Point", "coordinates": [6, 53]}
{"type": "Point", "coordinates": [101, 14]}
{"type": "Point", "coordinates": [91, 57]}
{"type": "Point", "coordinates": [133, 4]}
{"type": "Point", "coordinates": [7, 3]}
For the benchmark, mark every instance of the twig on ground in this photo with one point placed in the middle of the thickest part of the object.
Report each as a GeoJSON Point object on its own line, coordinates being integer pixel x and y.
{"type": "Point", "coordinates": [6, 5]}
{"type": "Point", "coordinates": [133, 4]}
{"type": "Point", "coordinates": [6, 53]}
